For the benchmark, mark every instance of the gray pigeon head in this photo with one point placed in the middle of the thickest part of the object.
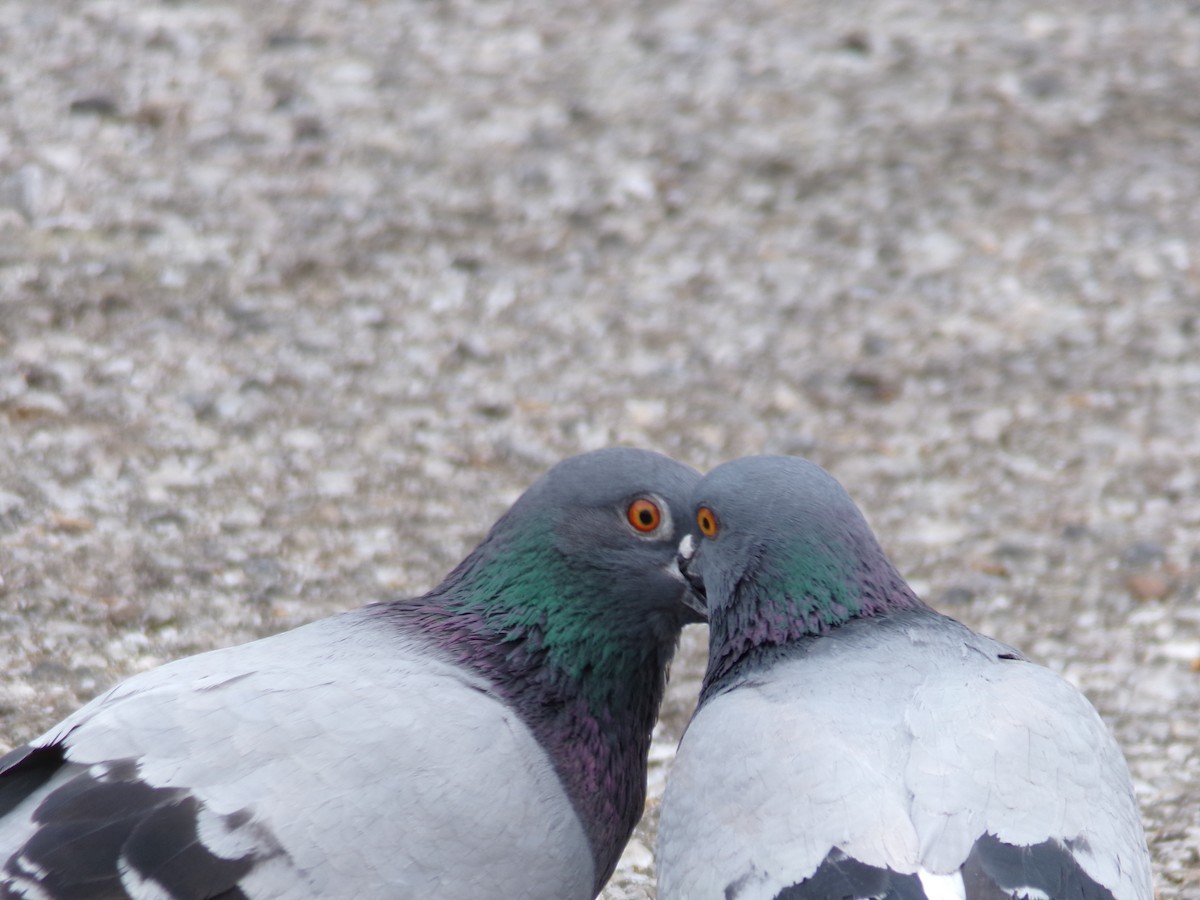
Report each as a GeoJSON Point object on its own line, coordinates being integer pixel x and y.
{"type": "Point", "coordinates": [780, 551]}
{"type": "Point", "coordinates": [608, 521]}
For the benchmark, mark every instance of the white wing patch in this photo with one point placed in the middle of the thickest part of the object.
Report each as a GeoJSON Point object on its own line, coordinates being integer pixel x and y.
{"type": "Point", "coordinates": [942, 887]}
{"type": "Point", "coordinates": [137, 886]}
{"type": "Point", "coordinates": [25, 880]}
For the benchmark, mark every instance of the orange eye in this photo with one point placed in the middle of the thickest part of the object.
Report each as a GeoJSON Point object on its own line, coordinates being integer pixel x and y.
{"type": "Point", "coordinates": [706, 519]}
{"type": "Point", "coordinates": [644, 515]}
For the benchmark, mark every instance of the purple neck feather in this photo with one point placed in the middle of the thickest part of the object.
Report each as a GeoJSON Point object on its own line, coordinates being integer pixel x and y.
{"type": "Point", "coordinates": [810, 594]}
{"type": "Point", "coordinates": [598, 749]}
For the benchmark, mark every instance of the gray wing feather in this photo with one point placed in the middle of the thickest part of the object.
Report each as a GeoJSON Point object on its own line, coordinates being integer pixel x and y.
{"type": "Point", "coordinates": [758, 795]}
{"type": "Point", "coordinates": [1014, 750]}
{"type": "Point", "coordinates": [901, 746]}
{"type": "Point", "coordinates": [376, 768]}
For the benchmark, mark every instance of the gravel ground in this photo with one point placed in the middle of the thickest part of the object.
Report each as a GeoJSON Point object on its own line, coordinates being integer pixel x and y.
{"type": "Point", "coordinates": [296, 297]}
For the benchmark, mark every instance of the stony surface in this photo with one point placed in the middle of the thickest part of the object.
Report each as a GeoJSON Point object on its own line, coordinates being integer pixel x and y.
{"type": "Point", "coordinates": [296, 297]}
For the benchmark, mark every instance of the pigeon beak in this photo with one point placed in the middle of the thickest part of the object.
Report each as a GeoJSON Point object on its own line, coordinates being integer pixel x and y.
{"type": "Point", "coordinates": [694, 598]}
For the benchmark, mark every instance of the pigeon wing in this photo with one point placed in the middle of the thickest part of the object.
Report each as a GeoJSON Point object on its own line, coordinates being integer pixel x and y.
{"type": "Point", "coordinates": [332, 760]}
{"type": "Point", "coordinates": [897, 750]}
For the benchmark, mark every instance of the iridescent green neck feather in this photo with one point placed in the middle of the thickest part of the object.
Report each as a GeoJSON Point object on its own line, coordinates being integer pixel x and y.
{"type": "Point", "coordinates": [565, 646]}
{"type": "Point", "coordinates": [807, 589]}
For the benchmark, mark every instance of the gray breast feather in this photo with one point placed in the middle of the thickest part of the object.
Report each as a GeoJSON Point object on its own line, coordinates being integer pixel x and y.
{"type": "Point", "coordinates": [356, 759]}
{"type": "Point", "coordinates": [901, 746]}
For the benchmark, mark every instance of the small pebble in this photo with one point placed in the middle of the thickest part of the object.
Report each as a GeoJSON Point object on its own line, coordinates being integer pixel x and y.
{"type": "Point", "coordinates": [1148, 586]}
{"type": "Point", "coordinates": [72, 524]}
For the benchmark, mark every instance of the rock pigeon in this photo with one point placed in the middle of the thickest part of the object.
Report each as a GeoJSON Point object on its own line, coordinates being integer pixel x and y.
{"type": "Point", "coordinates": [488, 739]}
{"type": "Point", "coordinates": [850, 742]}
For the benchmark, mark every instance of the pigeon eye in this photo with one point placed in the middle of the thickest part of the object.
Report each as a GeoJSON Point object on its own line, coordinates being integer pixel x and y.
{"type": "Point", "coordinates": [644, 515]}
{"type": "Point", "coordinates": [706, 520]}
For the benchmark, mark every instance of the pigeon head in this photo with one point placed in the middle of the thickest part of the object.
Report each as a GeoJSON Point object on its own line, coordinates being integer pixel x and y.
{"type": "Point", "coordinates": [588, 553]}
{"type": "Point", "coordinates": [780, 551]}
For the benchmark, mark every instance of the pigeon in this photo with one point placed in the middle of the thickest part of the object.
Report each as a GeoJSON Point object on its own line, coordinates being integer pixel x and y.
{"type": "Point", "coordinates": [488, 739]}
{"type": "Point", "coordinates": [851, 742]}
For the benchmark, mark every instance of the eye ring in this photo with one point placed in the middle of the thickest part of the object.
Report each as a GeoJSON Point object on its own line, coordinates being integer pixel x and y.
{"type": "Point", "coordinates": [706, 521]}
{"type": "Point", "coordinates": [644, 515]}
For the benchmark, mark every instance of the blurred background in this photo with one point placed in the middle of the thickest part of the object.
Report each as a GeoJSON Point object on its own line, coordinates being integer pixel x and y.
{"type": "Point", "coordinates": [296, 297]}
